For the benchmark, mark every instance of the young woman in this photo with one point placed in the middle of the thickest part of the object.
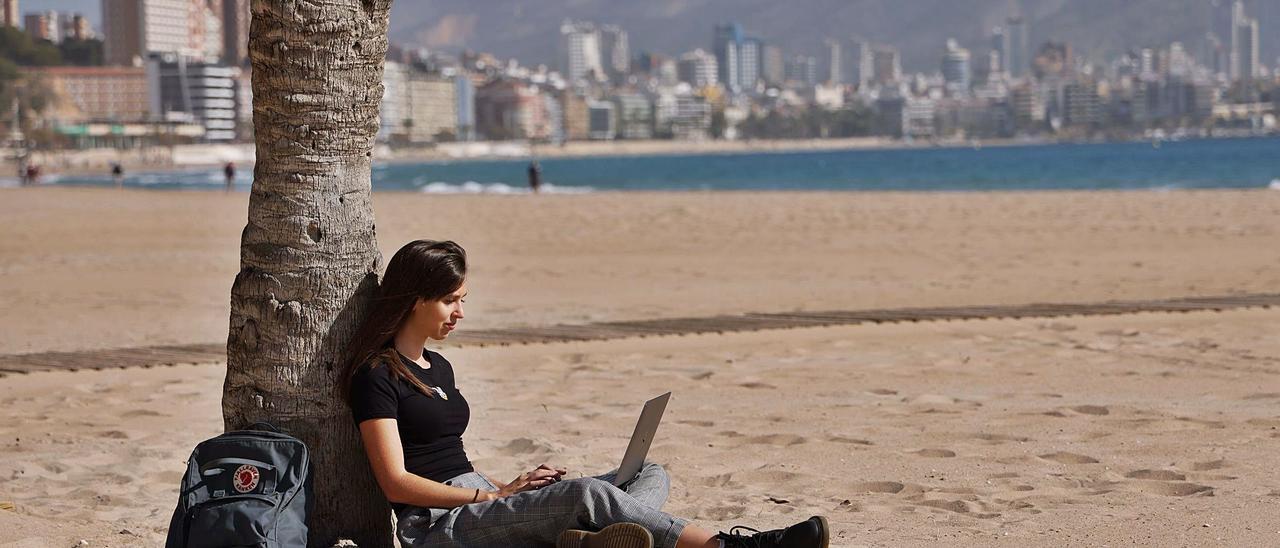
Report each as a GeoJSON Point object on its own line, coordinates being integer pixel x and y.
{"type": "Point", "coordinates": [412, 417]}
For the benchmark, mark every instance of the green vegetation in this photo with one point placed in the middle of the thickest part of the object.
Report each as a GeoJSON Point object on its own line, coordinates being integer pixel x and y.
{"type": "Point", "coordinates": [18, 48]}
{"type": "Point", "coordinates": [809, 123]}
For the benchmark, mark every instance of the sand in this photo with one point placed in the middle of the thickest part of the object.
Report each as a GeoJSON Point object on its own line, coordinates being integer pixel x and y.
{"type": "Point", "coordinates": [1146, 429]}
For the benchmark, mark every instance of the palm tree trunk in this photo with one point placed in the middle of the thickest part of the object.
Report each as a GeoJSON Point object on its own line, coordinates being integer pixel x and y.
{"type": "Point", "coordinates": [308, 256]}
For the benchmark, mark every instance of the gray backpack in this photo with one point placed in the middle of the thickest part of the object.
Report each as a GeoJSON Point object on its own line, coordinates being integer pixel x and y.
{"type": "Point", "coordinates": [244, 488]}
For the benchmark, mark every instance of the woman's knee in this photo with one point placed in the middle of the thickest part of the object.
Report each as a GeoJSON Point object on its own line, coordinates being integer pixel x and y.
{"type": "Point", "coordinates": [592, 488]}
{"type": "Point", "coordinates": [653, 469]}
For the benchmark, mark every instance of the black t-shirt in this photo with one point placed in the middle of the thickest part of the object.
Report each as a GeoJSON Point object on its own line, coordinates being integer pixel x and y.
{"type": "Point", "coordinates": [430, 427]}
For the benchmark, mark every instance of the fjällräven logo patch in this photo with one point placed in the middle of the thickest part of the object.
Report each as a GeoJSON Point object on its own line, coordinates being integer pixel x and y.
{"type": "Point", "coordinates": [246, 478]}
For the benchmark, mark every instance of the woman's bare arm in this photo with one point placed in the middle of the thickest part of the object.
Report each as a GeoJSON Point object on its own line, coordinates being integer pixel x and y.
{"type": "Point", "coordinates": [386, 457]}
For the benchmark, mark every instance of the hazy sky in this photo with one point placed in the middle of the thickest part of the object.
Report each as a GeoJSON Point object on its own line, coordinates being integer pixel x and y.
{"type": "Point", "coordinates": [90, 8]}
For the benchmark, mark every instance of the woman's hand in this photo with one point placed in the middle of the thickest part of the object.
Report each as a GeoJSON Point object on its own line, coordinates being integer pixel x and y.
{"type": "Point", "coordinates": [540, 477]}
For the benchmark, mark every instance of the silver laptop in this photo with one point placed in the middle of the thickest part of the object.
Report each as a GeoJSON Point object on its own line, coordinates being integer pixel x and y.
{"type": "Point", "coordinates": [646, 427]}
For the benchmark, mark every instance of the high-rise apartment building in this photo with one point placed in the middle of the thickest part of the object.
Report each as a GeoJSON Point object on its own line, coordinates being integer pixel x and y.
{"type": "Point", "coordinates": [750, 62]}
{"type": "Point", "coordinates": [726, 45]}
{"type": "Point", "coordinates": [886, 66]}
{"type": "Point", "coordinates": [956, 69]}
{"type": "Point", "coordinates": [772, 68]}
{"type": "Point", "coordinates": [432, 108]}
{"type": "Point", "coordinates": [1017, 55]}
{"type": "Point", "coordinates": [803, 69]}
{"type": "Point", "coordinates": [204, 29]}
{"type": "Point", "coordinates": [193, 91]}
{"type": "Point", "coordinates": [465, 95]}
{"type": "Point", "coordinates": [9, 13]}
{"type": "Point", "coordinates": [615, 52]}
{"type": "Point", "coordinates": [1244, 44]}
{"type": "Point", "coordinates": [135, 28]}
{"type": "Point", "coordinates": [76, 27]}
{"type": "Point", "coordinates": [43, 26]}
{"type": "Point", "coordinates": [235, 32]}
{"type": "Point", "coordinates": [393, 110]}
{"type": "Point", "coordinates": [861, 64]}
{"type": "Point", "coordinates": [999, 52]}
{"type": "Point", "coordinates": [698, 68]}
{"type": "Point", "coordinates": [832, 69]}
{"type": "Point", "coordinates": [739, 59]}
{"type": "Point", "coordinates": [580, 58]}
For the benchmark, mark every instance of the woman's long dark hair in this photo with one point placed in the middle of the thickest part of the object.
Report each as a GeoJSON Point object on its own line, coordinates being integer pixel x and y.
{"type": "Point", "coordinates": [422, 269]}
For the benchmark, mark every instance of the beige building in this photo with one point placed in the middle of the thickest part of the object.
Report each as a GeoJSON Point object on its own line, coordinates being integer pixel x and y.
{"type": "Point", "coordinates": [97, 93]}
{"type": "Point", "coordinates": [235, 32]}
{"type": "Point", "coordinates": [432, 108]}
{"type": "Point", "coordinates": [76, 27]}
{"type": "Point", "coordinates": [574, 109]}
{"type": "Point", "coordinates": [43, 26]}
{"type": "Point", "coordinates": [133, 28]}
{"type": "Point", "coordinates": [9, 13]}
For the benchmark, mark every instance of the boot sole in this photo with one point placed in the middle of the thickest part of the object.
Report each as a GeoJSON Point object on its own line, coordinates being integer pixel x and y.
{"type": "Point", "coordinates": [618, 535]}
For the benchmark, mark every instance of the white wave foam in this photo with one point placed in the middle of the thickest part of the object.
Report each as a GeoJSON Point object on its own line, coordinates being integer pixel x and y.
{"type": "Point", "coordinates": [10, 182]}
{"type": "Point", "coordinates": [1275, 184]}
{"type": "Point", "coordinates": [472, 187]}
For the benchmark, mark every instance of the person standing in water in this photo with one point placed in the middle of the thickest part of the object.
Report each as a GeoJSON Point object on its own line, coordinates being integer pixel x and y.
{"type": "Point", "coordinates": [117, 174]}
{"type": "Point", "coordinates": [229, 171]}
{"type": "Point", "coordinates": [535, 176]}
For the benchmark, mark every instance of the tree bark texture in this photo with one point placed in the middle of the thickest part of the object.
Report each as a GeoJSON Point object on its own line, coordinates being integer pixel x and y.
{"type": "Point", "coordinates": [308, 255]}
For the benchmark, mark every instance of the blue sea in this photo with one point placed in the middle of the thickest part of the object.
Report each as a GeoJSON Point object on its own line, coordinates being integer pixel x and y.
{"type": "Point", "coordinates": [1190, 164]}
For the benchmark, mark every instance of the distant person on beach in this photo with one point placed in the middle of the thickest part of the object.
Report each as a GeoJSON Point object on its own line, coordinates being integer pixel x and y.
{"type": "Point", "coordinates": [411, 418]}
{"type": "Point", "coordinates": [117, 174]}
{"type": "Point", "coordinates": [229, 171]}
{"type": "Point", "coordinates": [33, 174]}
{"type": "Point", "coordinates": [535, 177]}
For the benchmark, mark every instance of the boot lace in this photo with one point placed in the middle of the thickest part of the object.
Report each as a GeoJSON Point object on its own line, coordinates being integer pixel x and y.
{"type": "Point", "coordinates": [741, 536]}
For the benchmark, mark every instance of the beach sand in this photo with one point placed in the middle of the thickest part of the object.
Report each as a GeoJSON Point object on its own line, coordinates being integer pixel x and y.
{"type": "Point", "coordinates": [1147, 429]}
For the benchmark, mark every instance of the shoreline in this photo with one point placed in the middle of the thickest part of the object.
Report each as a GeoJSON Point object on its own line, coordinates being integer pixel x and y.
{"type": "Point", "coordinates": [188, 157]}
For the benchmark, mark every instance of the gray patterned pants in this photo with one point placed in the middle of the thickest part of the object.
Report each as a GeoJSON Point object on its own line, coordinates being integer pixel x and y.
{"type": "Point", "coordinates": [536, 518]}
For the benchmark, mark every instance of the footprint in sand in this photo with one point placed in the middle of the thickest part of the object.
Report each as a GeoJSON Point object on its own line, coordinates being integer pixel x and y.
{"type": "Point", "coordinates": [758, 385]}
{"type": "Point", "coordinates": [999, 438]}
{"type": "Point", "coordinates": [1063, 457]}
{"type": "Point", "coordinates": [1158, 475]}
{"type": "Point", "coordinates": [1091, 410]}
{"type": "Point", "coordinates": [721, 480]}
{"type": "Point", "coordinates": [524, 446]}
{"type": "Point", "coordinates": [957, 506]}
{"type": "Point", "coordinates": [882, 392]}
{"type": "Point", "coordinates": [56, 468]}
{"type": "Point", "coordinates": [1264, 396]}
{"type": "Point", "coordinates": [781, 440]}
{"type": "Point", "coordinates": [850, 441]}
{"type": "Point", "coordinates": [114, 434]}
{"type": "Point", "coordinates": [721, 513]}
{"type": "Point", "coordinates": [1171, 489]}
{"type": "Point", "coordinates": [935, 453]}
{"type": "Point", "coordinates": [703, 424]}
{"type": "Point", "coordinates": [143, 413]}
{"type": "Point", "coordinates": [890, 487]}
{"type": "Point", "coordinates": [1209, 465]}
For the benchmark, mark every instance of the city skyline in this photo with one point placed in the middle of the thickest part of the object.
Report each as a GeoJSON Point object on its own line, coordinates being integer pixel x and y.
{"type": "Point", "coordinates": [599, 86]}
{"type": "Point", "coordinates": [917, 50]}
